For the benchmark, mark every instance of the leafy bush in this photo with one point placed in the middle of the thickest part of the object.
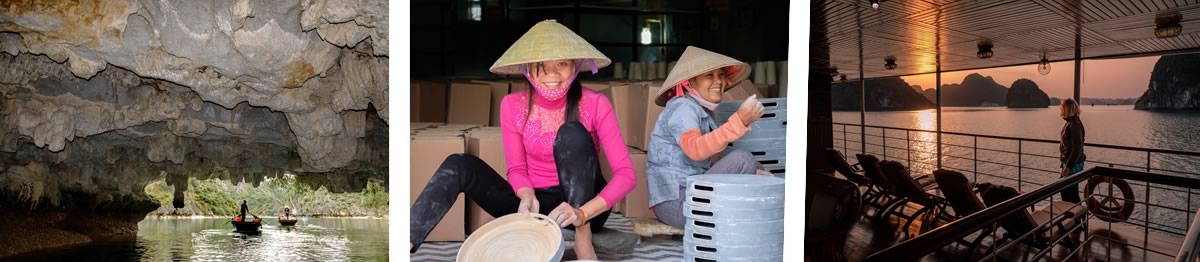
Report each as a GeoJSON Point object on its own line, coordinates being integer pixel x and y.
{"type": "Point", "coordinates": [223, 198]}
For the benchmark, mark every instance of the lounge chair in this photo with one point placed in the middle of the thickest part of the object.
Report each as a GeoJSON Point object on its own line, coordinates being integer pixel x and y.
{"type": "Point", "coordinates": [960, 194]}
{"type": "Point", "coordinates": [907, 188]}
{"type": "Point", "coordinates": [832, 210]}
{"type": "Point", "coordinates": [1047, 226]}
{"type": "Point", "coordinates": [853, 173]}
{"type": "Point", "coordinates": [885, 194]}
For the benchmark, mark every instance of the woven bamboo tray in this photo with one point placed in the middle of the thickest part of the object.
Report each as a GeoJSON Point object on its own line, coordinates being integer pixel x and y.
{"type": "Point", "coordinates": [515, 237]}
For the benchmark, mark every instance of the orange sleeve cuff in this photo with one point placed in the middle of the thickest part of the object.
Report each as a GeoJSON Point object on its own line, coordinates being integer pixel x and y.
{"type": "Point", "coordinates": [698, 147]}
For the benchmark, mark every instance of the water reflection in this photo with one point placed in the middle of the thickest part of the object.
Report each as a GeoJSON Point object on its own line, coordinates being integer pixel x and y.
{"type": "Point", "coordinates": [313, 239]}
{"type": "Point", "coordinates": [924, 152]}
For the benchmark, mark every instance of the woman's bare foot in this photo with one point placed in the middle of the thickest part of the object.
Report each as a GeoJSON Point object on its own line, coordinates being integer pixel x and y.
{"type": "Point", "coordinates": [583, 243]}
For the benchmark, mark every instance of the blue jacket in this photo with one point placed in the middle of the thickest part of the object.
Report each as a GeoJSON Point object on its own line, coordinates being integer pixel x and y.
{"type": "Point", "coordinates": [667, 167]}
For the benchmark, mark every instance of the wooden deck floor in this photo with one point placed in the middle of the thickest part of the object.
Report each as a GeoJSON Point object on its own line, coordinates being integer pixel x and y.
{"type": "Point", "coordinates": [1107, 242]}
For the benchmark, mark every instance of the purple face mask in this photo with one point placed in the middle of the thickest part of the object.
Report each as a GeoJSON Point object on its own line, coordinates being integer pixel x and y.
{"type": "Point", "coordinates": [551, 94]}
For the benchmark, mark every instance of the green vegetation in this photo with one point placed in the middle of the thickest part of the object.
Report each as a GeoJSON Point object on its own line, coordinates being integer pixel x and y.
{"type": "Point", "coordinates": [223, 198]}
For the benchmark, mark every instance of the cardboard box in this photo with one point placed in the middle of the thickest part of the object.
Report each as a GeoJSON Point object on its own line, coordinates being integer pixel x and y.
{"type": "Point", "coordinates": [601, 87]}
{"type": "Point", "coordinates": [783, 83]}
{"type": "Point", "coordinates": [428, 101]}
{"type": "Point", "coordinates": [489, 148]}
{"type": "Point", "coordinates": [427, 154]}
{"type": "Point", "coordinates": [500, 88]}
{"type": "Point", "coordinates": [421, 125]}
{"type": "Point", "coordinates": [652, 111]}
{"type": "Point", "coordinates": [470, 103]}
{"type": "Point", "coordinates": [437, 133]}
{"type": "Point", "coordinates": [743, 90]}
{"type": "Point", "coordinates": [516, 85]}
{"type": "Point", "coordinates": [606, 171]}
{"type": "Point", "coordinates": [630, 110]}
{"type": "Point", "coordinates": [637, 203]}
{"type": "Point", "coordinates": [628, 103]}
{"type": "Point", "coordinates": [455, 127]}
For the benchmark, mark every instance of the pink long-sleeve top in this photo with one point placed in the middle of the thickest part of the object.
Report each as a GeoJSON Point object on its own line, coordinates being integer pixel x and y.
{"type": "Point", "coordinates": [529, 147]}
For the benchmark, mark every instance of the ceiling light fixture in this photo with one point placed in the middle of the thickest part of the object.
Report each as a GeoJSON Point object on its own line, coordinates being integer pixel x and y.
{"type": "Point", "coordinates": [889, 62]}
{"type": "Point", "coordinates": [985, 49]}
{"type": "Point", "coordinates": [1166, 25]}
{"type": "Point", "coordinates": [875, 3]}
{"type": "Point", "coordinates": [646, 35]}
{"type": "Point", "coordinates": [1044, 64]}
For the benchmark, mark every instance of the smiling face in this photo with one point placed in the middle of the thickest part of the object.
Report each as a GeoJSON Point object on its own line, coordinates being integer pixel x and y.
{"type": "Point", "coordinates": [710, 85]}
{"type": "Point", "coordinates": [553, 74]}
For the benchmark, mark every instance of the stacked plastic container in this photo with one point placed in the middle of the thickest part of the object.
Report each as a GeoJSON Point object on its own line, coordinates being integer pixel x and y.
{"type": "Point", "coordinates": [767, 138]}
{"type": "Point", "coordinates": [733, 218]}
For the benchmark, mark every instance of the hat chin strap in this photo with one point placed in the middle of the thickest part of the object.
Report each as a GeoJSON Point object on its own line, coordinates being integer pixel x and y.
{"type": "Point", "coordinates": [695, 95]}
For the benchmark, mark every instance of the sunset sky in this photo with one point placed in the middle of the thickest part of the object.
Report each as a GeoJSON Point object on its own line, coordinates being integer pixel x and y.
{"type": "Point", "coordinates": [1115, 78]}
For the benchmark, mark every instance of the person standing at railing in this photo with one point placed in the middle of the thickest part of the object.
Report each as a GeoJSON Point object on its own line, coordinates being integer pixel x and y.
{"type": "Point", "coordinates": [1071, 147]}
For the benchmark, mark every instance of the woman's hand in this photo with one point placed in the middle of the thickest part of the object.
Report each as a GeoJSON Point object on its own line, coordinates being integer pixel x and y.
{"type": "Point", "coordinates": [750, 110]}
{"type": "Point", "coordinates": [565, 215]}
{"type": "Point", "coordinates": [529, 202]}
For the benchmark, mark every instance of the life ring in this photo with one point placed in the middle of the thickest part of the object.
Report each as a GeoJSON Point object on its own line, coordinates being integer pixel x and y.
{"type": "Point", "coordinates": [1107, 207]}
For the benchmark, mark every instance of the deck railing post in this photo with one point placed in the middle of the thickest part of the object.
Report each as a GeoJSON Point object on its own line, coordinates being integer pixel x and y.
{"type": "Point", "coordinates": [1019, 179]}
{"type": "Point", "coordinates": [975, 158]}
{"type": "Point", "coordinates": [1146, 232]}
{"type": "Point", "coordinates": [845, 146]}
{"type": "Point", "coordinates": [908, 146]}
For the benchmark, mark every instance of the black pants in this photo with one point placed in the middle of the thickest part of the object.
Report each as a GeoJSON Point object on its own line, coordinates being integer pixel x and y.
{"type": "Point", "coordinates": [578, 175]}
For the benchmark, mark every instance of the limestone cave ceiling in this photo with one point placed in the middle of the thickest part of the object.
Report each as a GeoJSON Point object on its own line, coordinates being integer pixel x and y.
{"type": "Point", "coordinates": [116, 92]}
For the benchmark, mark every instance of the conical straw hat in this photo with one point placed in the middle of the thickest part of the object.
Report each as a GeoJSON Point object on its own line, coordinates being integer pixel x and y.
{"type": "Point", "coordinates": [549, 40]}
{"type": "Point", "coordinates": [696, 61]}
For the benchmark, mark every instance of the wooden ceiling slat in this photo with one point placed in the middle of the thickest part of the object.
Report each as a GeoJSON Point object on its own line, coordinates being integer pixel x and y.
{"type": "Point", "coordinates": [1129, 8]}
{"type": "Point", "coordinates": [1018, 28]}
{"type": "Point", "coordinates": [1103, 11]}
{"type": "Point", "coordinates": [1158, 5]}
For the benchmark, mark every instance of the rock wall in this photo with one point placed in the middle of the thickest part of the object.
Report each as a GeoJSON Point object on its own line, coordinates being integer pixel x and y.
{"type": "Point", "coordinates": [100, 97]}
{"type": "Point", "coordinates": [1174, 84]}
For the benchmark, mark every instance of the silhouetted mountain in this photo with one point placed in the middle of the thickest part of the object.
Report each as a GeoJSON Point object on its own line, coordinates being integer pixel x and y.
{"type": "Point", "coordinates": [1087, 101]}
{"type": "Point", "coordinates": [1174, 84]}
{"type": "Point", "coordinates": [975, 90]}
{"type": "Point", "coordinates": [890, 93]}
{"type": "Point", "coordinates": [1026, 94]}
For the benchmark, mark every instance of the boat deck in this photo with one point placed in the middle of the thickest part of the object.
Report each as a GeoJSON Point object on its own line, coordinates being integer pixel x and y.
{"type": "Point", "coordinates": [1109, 242]}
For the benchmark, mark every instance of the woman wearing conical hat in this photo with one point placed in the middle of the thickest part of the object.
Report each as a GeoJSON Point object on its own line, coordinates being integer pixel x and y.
{"type": "Point", "coordinates": [552, 135]}
{"type": "Point", "coordinates": [686, 139]}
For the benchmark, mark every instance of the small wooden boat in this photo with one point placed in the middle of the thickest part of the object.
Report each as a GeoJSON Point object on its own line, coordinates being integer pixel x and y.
{"type": "Point", "coordinates": [246, 226]}
{"type": "Point", "coordinates": [287, 222]}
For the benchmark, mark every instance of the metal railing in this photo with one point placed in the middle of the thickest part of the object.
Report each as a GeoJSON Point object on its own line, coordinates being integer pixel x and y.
{"type": "Point", "coordinates": [922, 245]}
{"type": "Point", "coordinates": [851, 136]}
